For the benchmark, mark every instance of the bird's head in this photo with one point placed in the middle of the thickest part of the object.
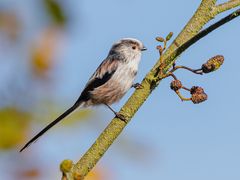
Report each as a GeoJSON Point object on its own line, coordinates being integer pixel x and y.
{"type": "Point", "coordinates": [129, 48]}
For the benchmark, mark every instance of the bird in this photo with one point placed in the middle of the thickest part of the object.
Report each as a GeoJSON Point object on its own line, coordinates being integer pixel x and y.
{"type": "Point", "coordinates": [109, 83]}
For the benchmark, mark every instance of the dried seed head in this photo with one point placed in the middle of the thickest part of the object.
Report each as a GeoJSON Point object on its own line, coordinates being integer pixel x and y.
{"type": "Point", "coordinates": [169, 36]}
{"type": "Point", "coordinates": [160, 39]}
{"type": "Point", "coordinates": [196, 90]}
{"type": "Point", "coordinates": [198, 98]}
{"type": "Point", "coordinates": [176, 85]}
{"type": "Point", "coordinates": [198, 95]}
{"type": "Point", "coordinates": [66, 166]}
{"type": "Point", "coordinates": [213, 64]}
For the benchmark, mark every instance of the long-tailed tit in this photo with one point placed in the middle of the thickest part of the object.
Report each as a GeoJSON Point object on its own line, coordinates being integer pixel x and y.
{"type": "Point", "coordinates": [112, 79]}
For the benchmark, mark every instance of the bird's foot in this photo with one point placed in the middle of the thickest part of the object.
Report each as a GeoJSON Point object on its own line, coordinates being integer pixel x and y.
{"type": "Point", "coordinates": [120, 116]}
{"type": "Point", "coordinates": [137, 86]}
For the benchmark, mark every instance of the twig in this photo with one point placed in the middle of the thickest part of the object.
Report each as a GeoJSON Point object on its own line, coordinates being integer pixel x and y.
{"type": "Point", "coordinates": [226, 6]}
{"type": "Point", "coordinates": [196, 71]}
{"type": "Point", "coordinates": [181, 97]}
{"type": "Point", "coordinates": [170, 59]}
{"type": "Point", "coordinates": [187, 89]}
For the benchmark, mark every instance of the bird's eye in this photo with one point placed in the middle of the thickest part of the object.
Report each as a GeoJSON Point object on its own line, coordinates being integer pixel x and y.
{"type": "Point", "coordinates": [134, 47]}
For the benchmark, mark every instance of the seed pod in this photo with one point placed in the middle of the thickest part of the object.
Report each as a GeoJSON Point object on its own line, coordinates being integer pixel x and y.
{"type": "Point", "coordinates": [176, 85]}
{"type": "Point", "coordinates": [160, 39]}
{"type": "Point", "coordinates": [213, 64]}
{"type": "Point", "coordinates": [198, 95]}
{"type": "Point", "coordinates": [196, 90]}
{"type": "Point", "coordinates": [198, 98]}
{"type": "Point", "coordinates": [66, 166]}
{"type": "Point", "coordinates": [169, 36]}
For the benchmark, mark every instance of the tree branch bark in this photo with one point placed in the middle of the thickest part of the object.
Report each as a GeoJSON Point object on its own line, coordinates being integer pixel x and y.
{"type": "Point", "coordinates": [226, 6]}
{"type": "Point", "coordinates": [188, 36]}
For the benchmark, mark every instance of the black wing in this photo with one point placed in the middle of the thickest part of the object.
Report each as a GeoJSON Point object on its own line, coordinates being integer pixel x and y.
{"type": "Point", "coordinates": [103, 73]}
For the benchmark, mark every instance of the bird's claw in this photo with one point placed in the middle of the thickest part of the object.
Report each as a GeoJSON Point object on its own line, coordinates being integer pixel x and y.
{"type": "Point", "coordinates": [137, 86]}
{"type": "Point", "coordinates": [120, 116]}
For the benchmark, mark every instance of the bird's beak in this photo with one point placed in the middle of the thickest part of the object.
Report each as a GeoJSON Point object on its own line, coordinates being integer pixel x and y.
{"type": "Point", "coordinates": [144, 48]}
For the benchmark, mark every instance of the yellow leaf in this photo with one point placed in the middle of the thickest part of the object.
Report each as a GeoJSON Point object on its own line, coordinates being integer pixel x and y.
{"type": "Point", "coordinates": [13, 127]}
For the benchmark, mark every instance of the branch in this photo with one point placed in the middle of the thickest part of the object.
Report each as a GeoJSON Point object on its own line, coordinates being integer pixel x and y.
{"type": "Point", "coordinates": [226, 6]}
{"type": "Point", "coordinates": [200, 35]}
{"type": "Point", "coordinates": [185, 39]}
{"type": "Point", "coordinates": [201, 17]}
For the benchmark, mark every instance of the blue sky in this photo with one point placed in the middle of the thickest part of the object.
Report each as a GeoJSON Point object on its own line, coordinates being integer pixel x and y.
{"type": "Point", "coordinates": [185, 141]}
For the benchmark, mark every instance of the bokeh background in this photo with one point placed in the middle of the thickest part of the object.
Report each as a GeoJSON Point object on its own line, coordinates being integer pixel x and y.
{"type": "Point", "coordinates": [49, 49]}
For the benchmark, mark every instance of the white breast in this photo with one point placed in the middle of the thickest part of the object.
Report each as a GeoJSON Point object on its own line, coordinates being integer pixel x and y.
{"type": "Point", "coordinates": [126, 73]}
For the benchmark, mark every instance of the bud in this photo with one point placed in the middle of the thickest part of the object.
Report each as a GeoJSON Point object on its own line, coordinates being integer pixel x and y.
{"type": "Point", "coordinates": [169, 36]}
{"type": "Point", "coordinates": [176, 85]}
{"type": "Point", "coordinates": [77, 176]}
{"type": "Point", "coordinates": [160, 39]}
{"type": "Point", "coordinates": [213, 64]}
{"type": "Point", "coordinates": [160, 48]}
{"type": "Point", "coordinates": [66, 166]}
{"type": "Point", "coordinates": [198, 95]}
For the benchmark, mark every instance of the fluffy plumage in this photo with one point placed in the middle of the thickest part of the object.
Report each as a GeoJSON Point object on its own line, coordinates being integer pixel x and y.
{"type": "Point", "coordinates": [112, 79]}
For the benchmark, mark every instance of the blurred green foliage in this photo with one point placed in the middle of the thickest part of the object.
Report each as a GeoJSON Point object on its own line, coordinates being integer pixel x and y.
{"type": "Point", "coordinates": [55, 11]}
{"type": "Point", "coordinates": [13, 127]}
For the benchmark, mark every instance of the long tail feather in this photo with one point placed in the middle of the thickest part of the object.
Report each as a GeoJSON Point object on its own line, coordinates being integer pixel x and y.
{"type": "Point", "coordinates": [67, 112]}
